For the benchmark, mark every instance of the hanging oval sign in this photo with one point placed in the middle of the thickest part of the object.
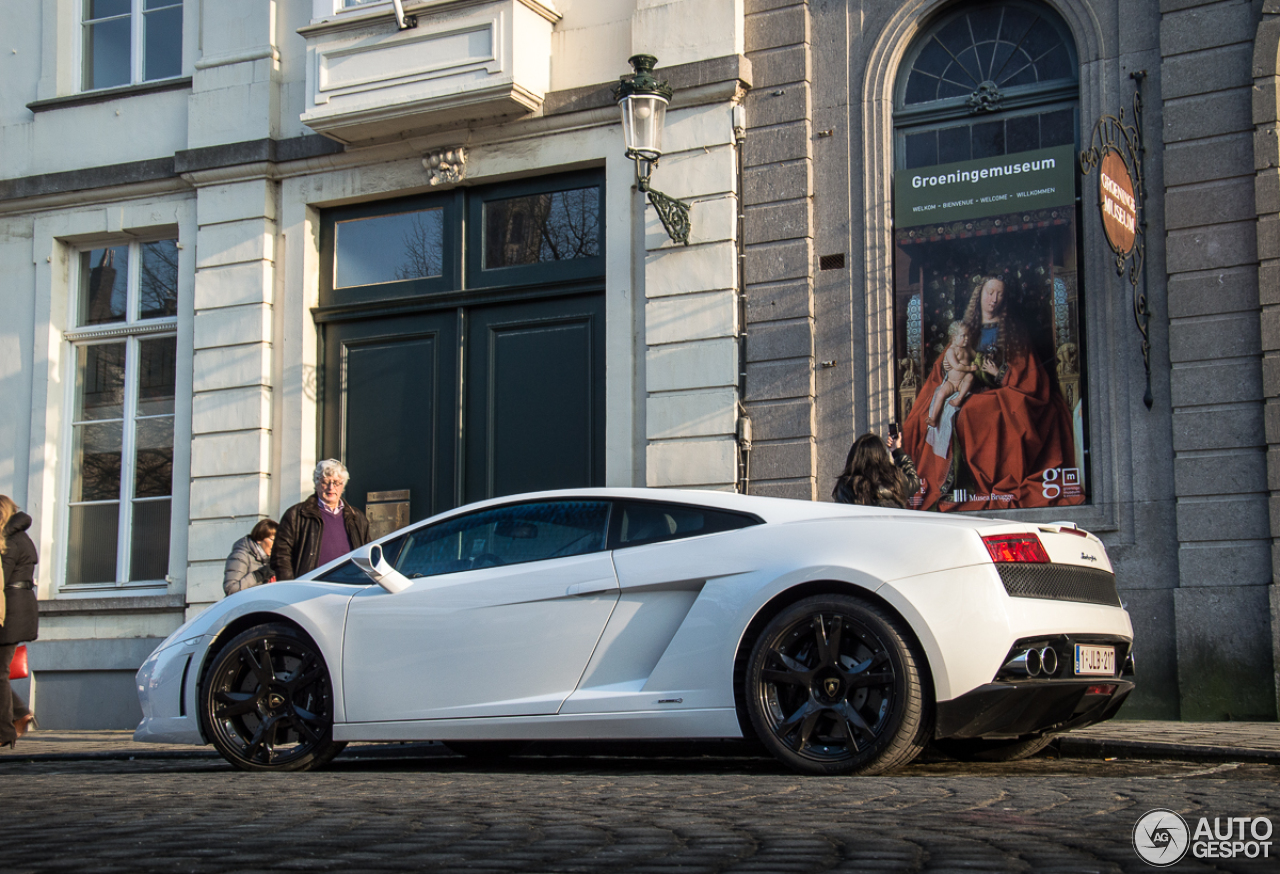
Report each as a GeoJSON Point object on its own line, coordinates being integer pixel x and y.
{"type": "Point", "coordinates": [1116, 200]}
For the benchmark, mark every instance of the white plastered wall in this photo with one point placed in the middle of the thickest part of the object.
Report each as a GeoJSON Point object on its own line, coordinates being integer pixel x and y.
{"type": "Point", "coordinates": [232, 384]}
{"type": "Point", "coordinates": [691, 309]}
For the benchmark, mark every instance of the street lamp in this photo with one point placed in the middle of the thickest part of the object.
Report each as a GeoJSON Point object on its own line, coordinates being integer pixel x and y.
{"type": "Point", "coordinates": [643, 100]}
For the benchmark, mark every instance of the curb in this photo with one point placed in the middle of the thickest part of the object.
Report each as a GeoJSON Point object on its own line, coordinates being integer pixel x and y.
{"type": "Point", "coordinates": [1088, 748]}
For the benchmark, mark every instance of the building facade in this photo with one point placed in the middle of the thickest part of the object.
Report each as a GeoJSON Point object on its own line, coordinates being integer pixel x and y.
{"type": "Point", "coordinates": [241, 237]}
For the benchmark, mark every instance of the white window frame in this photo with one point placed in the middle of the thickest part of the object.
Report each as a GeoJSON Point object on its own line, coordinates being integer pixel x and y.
{"type": "Point", "coordinates": [137, 35]}
{"type": "Point", "coordinates": [133, 330]}
{"type": "Point", "coordinates": [327, 10]}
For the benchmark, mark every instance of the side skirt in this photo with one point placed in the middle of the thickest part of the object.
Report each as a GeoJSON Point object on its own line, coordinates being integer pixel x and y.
{"type": "Point", "coordinates": [719, 722]}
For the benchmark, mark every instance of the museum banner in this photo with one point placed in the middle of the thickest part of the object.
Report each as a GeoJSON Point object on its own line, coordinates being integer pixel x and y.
{"type": "Point", "coordinates": [989, 356]}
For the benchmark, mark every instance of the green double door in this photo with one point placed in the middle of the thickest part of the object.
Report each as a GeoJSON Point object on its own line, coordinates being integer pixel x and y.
{"type": "Point", "coordinates": [466, 403]}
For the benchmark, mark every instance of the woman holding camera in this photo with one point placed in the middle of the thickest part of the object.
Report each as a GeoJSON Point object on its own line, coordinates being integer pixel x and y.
{"type": "Point", "coordinates": [877, 473]}
{"type": "Point", "coordinates": [249, 563]}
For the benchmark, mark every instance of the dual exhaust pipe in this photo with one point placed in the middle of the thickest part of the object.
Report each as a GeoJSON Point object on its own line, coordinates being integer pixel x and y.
{"type": "Point", "coordinates": [1034, 663]}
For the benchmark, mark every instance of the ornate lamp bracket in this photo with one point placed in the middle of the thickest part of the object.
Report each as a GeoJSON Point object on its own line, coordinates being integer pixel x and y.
{"type": "Point", "coordinates": [674, 214]}
{"type": "Point", "coordinates": [1115, 134]}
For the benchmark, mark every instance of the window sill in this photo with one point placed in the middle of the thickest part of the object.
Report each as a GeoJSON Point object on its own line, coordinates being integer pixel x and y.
{"type": "Point", "coordinates": [89, 97]}
{"type": "Point", "coordinates": [123, 604]}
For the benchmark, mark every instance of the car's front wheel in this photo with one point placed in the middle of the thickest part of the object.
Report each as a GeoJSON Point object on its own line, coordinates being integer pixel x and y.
{"type": "Point", "coordinates": [834, 687]}
{"type": "Point", "coordinates": [267, 703]}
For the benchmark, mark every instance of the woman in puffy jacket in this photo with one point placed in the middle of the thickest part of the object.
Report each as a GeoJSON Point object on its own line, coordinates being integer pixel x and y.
{"type": "Point", "coordinates": [249, 563]}
{"type": "Point", "coordinates": [19, 620]}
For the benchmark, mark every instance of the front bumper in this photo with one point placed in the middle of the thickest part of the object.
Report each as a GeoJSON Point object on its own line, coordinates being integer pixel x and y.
{"type": "Point", "coordinates": [1018, 709]}
{"type": "Point", "coordinates": [166, 693]}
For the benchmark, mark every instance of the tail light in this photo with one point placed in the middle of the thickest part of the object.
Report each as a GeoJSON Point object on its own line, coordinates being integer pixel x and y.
{"type": "Point", "coordinates": [1016, 548]}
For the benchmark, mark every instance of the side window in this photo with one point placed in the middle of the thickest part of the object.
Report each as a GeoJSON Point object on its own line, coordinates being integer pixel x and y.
{"type": "Point", "coordinates": [506, 535]}
{"type": "Point", "coordinates": [640, 522]}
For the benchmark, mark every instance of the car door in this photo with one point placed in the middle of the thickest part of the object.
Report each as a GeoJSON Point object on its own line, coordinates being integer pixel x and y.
{"type": "Point", "coordinates": [506, 607]}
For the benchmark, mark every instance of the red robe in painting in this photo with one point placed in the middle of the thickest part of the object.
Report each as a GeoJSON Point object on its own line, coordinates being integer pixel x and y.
{"type": "Point", "coordinates": [1006, 435]}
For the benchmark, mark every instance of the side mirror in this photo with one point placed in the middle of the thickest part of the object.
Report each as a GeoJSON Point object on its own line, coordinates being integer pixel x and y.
{"type": "Point", "coordinates": [369, 559]}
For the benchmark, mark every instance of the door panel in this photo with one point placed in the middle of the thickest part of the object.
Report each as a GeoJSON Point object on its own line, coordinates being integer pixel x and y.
{"type": "Point", "coordinates": [535, 397]}
{"type": "Point", "coordinates": [502, 641]}
{"type": "Point", "coordinates": [390, 410]}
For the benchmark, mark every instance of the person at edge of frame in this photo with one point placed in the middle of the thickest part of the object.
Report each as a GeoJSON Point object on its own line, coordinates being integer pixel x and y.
{"type": "Point", "coordinates": [19, 614]}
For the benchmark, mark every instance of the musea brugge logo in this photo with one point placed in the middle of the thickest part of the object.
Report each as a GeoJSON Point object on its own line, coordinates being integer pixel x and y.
{"type": "Point", "coordinates": [1162, 837]}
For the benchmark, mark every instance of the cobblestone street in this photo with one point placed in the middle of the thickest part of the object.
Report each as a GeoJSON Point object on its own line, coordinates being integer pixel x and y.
{"type": "Point", "coordinates": [423, 810]}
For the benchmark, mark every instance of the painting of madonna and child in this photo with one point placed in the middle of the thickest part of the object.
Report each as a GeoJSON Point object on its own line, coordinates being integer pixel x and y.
{"type": "Point", "coordinates": [989, 362]}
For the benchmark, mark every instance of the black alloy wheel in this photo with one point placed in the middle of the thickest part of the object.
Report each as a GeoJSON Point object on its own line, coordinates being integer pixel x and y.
{"type": "Point", "coordinates": [267, 703]}
{"type": "Point", "coordinates": [834, 687]}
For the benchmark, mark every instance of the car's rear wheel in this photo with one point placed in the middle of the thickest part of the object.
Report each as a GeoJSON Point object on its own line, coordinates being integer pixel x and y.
{"type": "Point", "coordinates": [834, 687]}
{"type": "Point", "coordinates": [977, 749]}
{"type": "Point", "coordinates": [267, 702]}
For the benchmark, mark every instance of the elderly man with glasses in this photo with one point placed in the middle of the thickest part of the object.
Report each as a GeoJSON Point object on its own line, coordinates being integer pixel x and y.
{"type": "Point", "coordinates": [321, 528]}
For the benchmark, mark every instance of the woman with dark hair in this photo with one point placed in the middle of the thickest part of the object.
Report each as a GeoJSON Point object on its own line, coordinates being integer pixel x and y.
{"type": "Point", "coordinates": [19, 619]}
{"type": "Point", "coordinates": [875, 477]}
{"type": "Point", "coordinates": [249, 563]}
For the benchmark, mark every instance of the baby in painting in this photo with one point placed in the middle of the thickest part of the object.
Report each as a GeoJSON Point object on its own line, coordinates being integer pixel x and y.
{"type": "Point", "coordinates": [959, 366]}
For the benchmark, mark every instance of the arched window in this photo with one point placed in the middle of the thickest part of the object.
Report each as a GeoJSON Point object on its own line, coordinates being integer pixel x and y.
{"type": "Point", "coordinates": [985, 81]}
{"type": "Point", "coordinates": [986, 135]}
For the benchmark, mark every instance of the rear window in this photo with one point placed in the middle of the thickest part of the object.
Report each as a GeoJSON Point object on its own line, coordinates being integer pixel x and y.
{"type": "Point", "coordinates": [639, 522]}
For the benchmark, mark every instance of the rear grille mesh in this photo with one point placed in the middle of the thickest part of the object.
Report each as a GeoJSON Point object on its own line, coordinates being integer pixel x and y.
{"type": "Point", "coordinates": [1059, 582]}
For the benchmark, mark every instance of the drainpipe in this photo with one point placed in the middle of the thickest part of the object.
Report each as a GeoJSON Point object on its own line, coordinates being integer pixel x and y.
{"type": "Point", "coordinates": [744, 420]}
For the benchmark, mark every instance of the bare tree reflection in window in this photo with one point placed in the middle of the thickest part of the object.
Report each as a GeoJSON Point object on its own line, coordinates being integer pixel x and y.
{"type": "Point", "coordinates": [573, 226]}
{"type": "Point", "coordinates": [98, 448]}
{"type": "Point", "coordinates": [153, 474]}
{"type": "Point", "coordinates": [557, 226]}
{"type": "Point", "coordinates": [423, 248]}
{"type": "Point", "coordinates": [158, 280]}
{"type": "Point", "coordinates": [106, 273]}
{"type": "Point", "coordinates": [157, 361]}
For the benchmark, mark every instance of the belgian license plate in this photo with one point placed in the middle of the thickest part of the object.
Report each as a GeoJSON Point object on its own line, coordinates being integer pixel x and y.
{"type": "Point", "coordinates": [1099, 660]}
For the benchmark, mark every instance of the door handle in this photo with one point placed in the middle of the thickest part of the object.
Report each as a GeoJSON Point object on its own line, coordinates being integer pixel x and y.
{"type": "Point", "coordinates": [591, 587]}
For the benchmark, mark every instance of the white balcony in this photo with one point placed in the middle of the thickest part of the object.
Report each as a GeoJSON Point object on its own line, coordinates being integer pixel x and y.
{"type": "Point", "coordinates": [467, 62]}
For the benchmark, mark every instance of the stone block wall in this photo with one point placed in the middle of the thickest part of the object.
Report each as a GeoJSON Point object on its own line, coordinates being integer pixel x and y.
{"type": "Point", "coordinates": [1266, 158]}
{"type": "Point", "coordinates": [779, 260]}
{"type": "Point", "coordinates": [1215, 349]}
